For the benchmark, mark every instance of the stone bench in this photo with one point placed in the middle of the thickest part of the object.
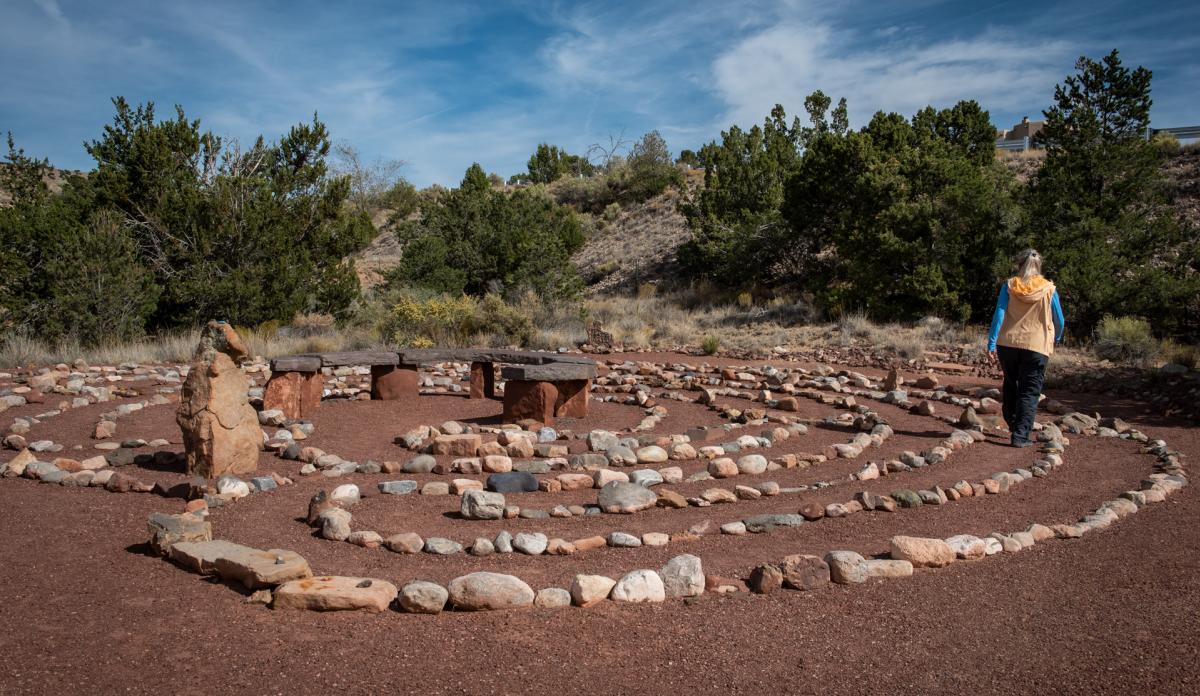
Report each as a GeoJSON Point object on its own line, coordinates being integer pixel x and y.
{"type": "Point", "coordinates": [296, 382]}
{"type": "Point", "coordinates": [548, 391]}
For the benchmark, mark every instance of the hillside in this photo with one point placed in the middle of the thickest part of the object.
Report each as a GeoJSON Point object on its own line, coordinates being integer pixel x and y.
{"type": "Point", "coordinates": [54, 181]}
{"type": "Point", "coordinates": [637, 247]}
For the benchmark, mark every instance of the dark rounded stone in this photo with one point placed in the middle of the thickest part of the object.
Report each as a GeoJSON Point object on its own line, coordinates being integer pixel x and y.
{"type": "Point", "coordinates": [512, 482]}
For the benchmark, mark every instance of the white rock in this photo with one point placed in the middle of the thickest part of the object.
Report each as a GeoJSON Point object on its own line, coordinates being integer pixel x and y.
{"type": "Point", "coordinates": [683, 576]}
{"type": "Point", "coordinates": [588, 590]}
{"type": "Point", "coordinates": [531, 544]}
{"type": "Point", "coordinates": [639, 586]}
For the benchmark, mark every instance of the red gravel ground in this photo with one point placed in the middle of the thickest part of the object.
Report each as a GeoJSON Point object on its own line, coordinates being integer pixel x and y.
{"type": "Point", "coordinates": [86, 610]}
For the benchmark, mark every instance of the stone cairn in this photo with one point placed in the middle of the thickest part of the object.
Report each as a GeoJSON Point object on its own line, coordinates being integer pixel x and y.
{"type": "Point", "coordinates": [220, 428]}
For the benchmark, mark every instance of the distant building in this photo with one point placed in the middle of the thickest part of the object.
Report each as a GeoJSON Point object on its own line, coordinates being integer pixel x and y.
{"type": "Point", "coordinates": [1020, 137]}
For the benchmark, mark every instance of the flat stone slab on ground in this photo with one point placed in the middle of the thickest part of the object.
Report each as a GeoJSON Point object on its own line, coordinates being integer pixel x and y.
{"type": "Point", "coordinates": [201, 556]}
{"type": "Point", "coordinates": [254, 568]}
{"type": "Point", "coordinates": [167, 530]}
{"type": "Point", "coordinates": [335, 593]}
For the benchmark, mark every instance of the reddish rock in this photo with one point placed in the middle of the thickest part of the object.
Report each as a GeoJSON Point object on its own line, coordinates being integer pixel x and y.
{"type": "Point", "coordinates": [296, 394]}
{"type": "Point", "coordinates": [220, 428]}
{"type": "Point", "coordinates": [765, 579]}
{"type": "Point", "coordinates": [922, 553]}
{"type": "Point", "coordinates": [801, 572]}
{"type": "Point", "coordinates": [394, 382]}
{"type": "Point", "coordinates": [590, 543]}
{"type": "Point", "coordinates": [483, 380]}
{"type": "Point", "coordinates": [456, 445]}
{"type": "Point", "coordinates": [529, 400]}
{"type": "Point", "coordinates": [788, 403]}
{"type": "Point", "coordinates": [573, 396]}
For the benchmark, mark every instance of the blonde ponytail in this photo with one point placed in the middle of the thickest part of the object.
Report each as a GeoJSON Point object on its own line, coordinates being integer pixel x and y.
{"type": "Point", "coordinates": [1029, 264]}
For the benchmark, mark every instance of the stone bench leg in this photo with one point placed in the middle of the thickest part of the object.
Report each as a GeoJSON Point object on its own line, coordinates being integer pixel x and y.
{"type": "Point", "coordinates": [573, 397]}
{"type": "Point", "coordinates": [483, 380]}
{"type": "Point", "coordinates": [297, 394]}
{"type": "Point", "coordinates": [392, 382]}
{"type": "Point", "coordinates": [528, 399]}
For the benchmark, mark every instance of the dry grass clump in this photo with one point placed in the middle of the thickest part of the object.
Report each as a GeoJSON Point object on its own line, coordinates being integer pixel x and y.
{"type": "Point", "coordinates": [18, 350]}
{"type": "Point", "coordinates": [651, 319]}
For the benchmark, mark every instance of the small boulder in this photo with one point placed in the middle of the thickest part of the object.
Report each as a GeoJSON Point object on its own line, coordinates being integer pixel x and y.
{"type": "Point", "coordinates": [922, 553]}
{"type": "Point", "coordinates": [483, 591]}
{"type": "Point", "coordinates": [639, 586]}
{"type": "Point", "coordinates": [683, 576]}
{"type": "Point", "coordinates": [421, 597]}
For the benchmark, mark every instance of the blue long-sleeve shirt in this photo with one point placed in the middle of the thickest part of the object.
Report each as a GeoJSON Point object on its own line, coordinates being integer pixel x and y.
{"type": "Point", "coordinates": [1060, 323]}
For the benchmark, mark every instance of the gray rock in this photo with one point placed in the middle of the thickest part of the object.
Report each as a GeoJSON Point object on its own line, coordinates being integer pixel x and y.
{"type": "Point", "coordinates": [623, 541]}
{"type": "Point", "coordinates": [167, 530]}
{"type": "Point", "coordinates": [683, 576]}
{"type": "Point", "coordinates": [263, 484]}
{"type": "Point", "coordinates": [531, 544]}
{"type": "Point", "coordinates": [40, 470]}
{"type": "Point", "coordinates": [482, 547]}
{"type": "Point", "coordinates": [420, 464]}
{"type": "Point", "coordinates": [621, 456]}
{"type": "Point", "coordinates": [530, 466]}
{"type": "Point", "coordinates": [765, 523]}
{"type": "Point", "coordinates": [847, 567]}
{"type": "Point", "coordinates": [423, 597]}
{"type": "Point", "coordinates": [752, 464]}
{"type": "Point", "coordinates": [55, 477]}
{"type": "Point", "coordinates": [645, 477]}
{"type": "Point", "coordinates": [398, 487]}
{"type": "Point", "coordinates": [503, 542]}
{"type": "Point", "coordinates": [588, 461]}
{"type": "Point", "coordinates": [601, 441]}
{"type": "Point", "coordinates": [335, 524]}
{"type": "Point", "coordinates": [906, 498]}
{"type": "Point", "coordinates": [624, 497]}
{"type": "Point", "coordinates": [552, 598]}
{"type": "Point", "coordinates": [512, 482]}
{"type": "Point", "coordinates": [482, 505]}
{"type": "Point", "coordinates": [442, 547]}
{"type": "Point", "coordinates": [489, 591]}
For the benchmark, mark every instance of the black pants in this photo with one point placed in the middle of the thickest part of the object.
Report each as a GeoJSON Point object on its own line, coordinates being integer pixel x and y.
{"type": "Point", "coordinates": [1024, 373]}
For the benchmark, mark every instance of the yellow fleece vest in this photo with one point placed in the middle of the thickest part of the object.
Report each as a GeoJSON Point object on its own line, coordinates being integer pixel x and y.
{"type": "Point", "coordinates": [1028, 321]}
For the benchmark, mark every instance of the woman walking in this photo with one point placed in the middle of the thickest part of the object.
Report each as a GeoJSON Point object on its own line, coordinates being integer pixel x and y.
{"type": "Point", "coordinates": [1027, 323]}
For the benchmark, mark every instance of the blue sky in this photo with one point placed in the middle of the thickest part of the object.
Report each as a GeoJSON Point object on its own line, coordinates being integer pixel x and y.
{"type": "Point", "coordinates": [442, 84]}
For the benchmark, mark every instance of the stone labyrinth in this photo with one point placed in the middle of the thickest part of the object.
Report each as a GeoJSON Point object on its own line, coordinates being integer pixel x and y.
{"type": "Point", "coordinates": [670, 480]}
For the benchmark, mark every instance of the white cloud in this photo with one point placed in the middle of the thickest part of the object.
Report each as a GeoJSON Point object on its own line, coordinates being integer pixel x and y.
{"type": "Point", "coordinates": [785, 63]}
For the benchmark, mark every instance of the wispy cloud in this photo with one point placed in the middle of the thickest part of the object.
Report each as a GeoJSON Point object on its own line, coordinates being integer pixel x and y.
{"type": "Point", "coordinates": [785, 63]}
{"type": "Point", "coordinates": [441, 85]}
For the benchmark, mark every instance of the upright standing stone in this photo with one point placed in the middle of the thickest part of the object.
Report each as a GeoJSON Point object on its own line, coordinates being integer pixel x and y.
{"type": "Point", "coordinates": [220, 428]}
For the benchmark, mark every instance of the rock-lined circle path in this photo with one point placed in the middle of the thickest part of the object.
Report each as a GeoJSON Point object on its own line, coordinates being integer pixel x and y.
{"type": "Point", "coordinates": [757, 408]}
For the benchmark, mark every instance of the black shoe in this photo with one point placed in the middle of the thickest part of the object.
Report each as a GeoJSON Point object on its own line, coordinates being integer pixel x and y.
{"type": "Point", "coordinates": [1021, 444]}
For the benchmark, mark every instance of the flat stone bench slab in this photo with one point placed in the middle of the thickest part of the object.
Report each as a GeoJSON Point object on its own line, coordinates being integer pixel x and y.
{"type": "Point", "coordinates": [421, 356]}
{"type": "Point", "coordinates": [311, 362]}
{"type": "Point", "coordinates": [296, 381]}
{"type": "Point", "coordinates": [563, 372]}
